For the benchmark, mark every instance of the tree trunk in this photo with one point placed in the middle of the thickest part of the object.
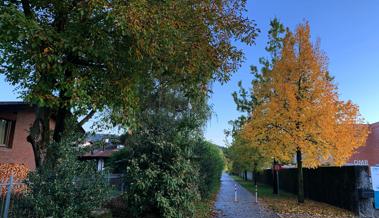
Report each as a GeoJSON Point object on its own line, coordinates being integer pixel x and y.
{"type": "Point", "coordinates": [275, 185]}
{"type": "Point", "coordinates": [60, 123]}
{"type": "Point", "coordinates": [300, 178]}
{"type": "Point", "coordinates": [63, 111]}
{"type": "Point", "coordinates": [60, 126]}
{"type": "Point", "coordinates": [39, 135]}
{"type": "Point", "coordinates": [255, 177]}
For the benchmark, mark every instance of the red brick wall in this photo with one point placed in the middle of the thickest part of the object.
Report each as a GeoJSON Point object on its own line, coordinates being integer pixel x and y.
{"type": "Point", "coordinates": [368, 154]}
{"type": "Point", "coordinates": [21, 151]}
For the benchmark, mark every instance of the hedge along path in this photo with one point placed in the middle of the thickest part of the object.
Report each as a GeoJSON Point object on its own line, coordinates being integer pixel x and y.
{"type": "Point", "coordinates": [19, 172]}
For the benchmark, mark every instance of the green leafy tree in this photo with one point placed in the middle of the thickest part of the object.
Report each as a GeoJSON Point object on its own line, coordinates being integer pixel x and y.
{"type": "Point", "coordinates": [160, 172]}
{"type": "Point", "coordinates": [247, 157]}
{"type": "Point", "coordinates": [74, 58]}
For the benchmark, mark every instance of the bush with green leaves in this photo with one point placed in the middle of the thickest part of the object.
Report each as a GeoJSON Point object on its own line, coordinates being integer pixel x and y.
{"type": "Point", "coordinates": [160, 180]}
{"type": "Point", "coordinates": [67, 188]}
{"type": "Point", "coordinates": [166, 173]}
{"type": "Point", "coordinates": [210, 160]}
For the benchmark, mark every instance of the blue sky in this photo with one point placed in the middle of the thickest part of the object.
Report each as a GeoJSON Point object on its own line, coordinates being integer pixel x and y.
{"type": "Point", "coordinates": [349, 35]}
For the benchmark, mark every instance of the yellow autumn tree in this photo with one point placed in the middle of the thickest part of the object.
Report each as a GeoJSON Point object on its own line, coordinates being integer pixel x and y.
{"type": "Point", "coordinates": [299, 112]}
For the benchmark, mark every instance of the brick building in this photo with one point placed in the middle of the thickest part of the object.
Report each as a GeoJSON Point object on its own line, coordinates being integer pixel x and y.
{"type": "Point", "coordinates": [15, 120]}
{"type": "Point", "coordinates": [368, 154]}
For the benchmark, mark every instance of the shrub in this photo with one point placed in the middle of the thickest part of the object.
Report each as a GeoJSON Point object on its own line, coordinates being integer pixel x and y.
{"type": "Point", "coordinates": [160, 180]}
{"type": "Point", "coordinates": [71, 188]}
{"type": "Point", "coordinates": [210, 161]}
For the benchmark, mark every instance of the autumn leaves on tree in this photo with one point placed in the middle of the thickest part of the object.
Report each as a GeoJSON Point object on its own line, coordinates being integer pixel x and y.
{"type": "Point", "coordinates": [298, 111]}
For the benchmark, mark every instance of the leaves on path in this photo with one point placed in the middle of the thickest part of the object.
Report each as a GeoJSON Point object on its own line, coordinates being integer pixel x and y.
{"type": "Point", "coordinates": [290, 208]}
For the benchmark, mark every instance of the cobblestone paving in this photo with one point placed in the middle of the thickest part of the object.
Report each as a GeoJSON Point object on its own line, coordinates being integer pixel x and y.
{"type": "Point", "coordinates": [245, 207]}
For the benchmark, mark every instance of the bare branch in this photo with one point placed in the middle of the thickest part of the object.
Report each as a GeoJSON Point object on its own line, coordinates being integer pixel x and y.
{"type": "Point", "coordinates": [87, 117]}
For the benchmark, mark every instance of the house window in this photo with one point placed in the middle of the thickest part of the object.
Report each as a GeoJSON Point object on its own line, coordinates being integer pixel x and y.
{"type": "Point", "coordinates": [6, 133]}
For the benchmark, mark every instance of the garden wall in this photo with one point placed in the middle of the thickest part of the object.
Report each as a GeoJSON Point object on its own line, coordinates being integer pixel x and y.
{"type": "Point", "coordinates": [346, 187]}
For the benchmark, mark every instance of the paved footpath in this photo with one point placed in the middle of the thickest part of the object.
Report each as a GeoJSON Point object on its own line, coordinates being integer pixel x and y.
{"type": "Point", "coordinates": [245, 207]}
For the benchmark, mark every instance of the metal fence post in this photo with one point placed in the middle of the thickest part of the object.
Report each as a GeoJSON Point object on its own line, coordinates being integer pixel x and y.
{"type": "Point", "coordinates": [8, 198]}
{"type": "Point", "coordinates": [235, 193]}
{"type": "Point", "coordinates": [256, 193]}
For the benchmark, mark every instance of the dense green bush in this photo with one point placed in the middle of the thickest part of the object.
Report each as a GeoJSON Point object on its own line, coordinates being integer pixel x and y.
{"type": "Point", "coordinates": [70, 188]}
{"type": "Point", "coordinates": [210, 161]}
{"type": "Point", "coordinates": [160, 180]}
{"type": "Point", "coordinates": [163, 179]}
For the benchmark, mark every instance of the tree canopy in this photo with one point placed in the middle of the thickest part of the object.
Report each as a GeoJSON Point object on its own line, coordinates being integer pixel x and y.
{"type": "Point", "coordinates": [299, 110]}
{"type": "Point", "coordinates": [78, 57]}
{"type": "Point", "coordinates": [79, 53]}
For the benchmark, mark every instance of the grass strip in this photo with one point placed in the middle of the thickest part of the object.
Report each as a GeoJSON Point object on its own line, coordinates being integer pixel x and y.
{"type": "Point", "coordinates": [205, 208]}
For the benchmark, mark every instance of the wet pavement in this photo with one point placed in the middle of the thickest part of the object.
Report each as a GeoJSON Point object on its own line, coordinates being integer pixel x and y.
{"type": "Point", "coordinates": [245, 207]}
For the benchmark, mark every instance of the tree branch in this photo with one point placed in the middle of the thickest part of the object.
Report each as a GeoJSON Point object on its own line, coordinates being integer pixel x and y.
{"type": "Point", "coordinates": [86, 63]}
{"type": "Point", "coordinates": [26, 7]}
{"type": "Point", "coordinates": [281, 128]}
{"type": "Point", "coordinates": [87, 117]}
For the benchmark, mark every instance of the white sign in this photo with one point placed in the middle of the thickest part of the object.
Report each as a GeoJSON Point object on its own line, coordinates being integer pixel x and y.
{"type": "Point", "coordinates": [375, 178]}
{"type": "Point", "coordinates": [361, 162]}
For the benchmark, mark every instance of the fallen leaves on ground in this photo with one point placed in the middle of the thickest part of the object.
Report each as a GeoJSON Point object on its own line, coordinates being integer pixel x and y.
{"type": "Point", "coordinates": [19, 172]}
{"type": "Point", "coordinates": [290, 208]}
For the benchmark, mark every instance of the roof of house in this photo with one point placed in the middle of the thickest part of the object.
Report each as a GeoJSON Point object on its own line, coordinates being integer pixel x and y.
{"type": "Point", "coordinates": [97, 154]}
{"type": "Point", "coordinates": [14, 105]}
{"type": "Point", "coordinates": [105, 152]}
{"type": "Point", "coordinates": [374, 125]}
{"type": "Point", "coordinates": [21, 105]}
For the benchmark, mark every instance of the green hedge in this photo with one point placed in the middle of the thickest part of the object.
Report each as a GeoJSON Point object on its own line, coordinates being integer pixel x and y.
{"type": "Point", "coordinates": [165, 176]}
{"type": "Point", "coordinates": [160, 180]}
{"type": "Point", "coordinates": [210, 160]}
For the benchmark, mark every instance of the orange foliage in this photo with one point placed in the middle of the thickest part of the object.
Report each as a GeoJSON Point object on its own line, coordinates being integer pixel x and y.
{"type": "Point", "coordinates": [299, 109]}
